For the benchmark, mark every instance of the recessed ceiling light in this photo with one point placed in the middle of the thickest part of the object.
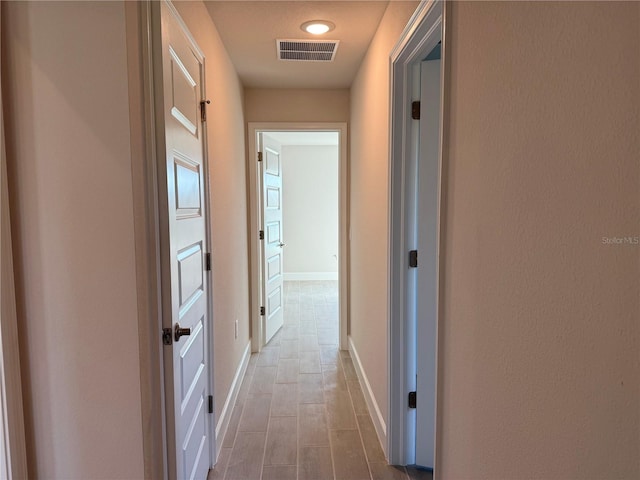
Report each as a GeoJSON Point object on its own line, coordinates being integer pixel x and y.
{"type": "Point", "coordinates": [317, 27]}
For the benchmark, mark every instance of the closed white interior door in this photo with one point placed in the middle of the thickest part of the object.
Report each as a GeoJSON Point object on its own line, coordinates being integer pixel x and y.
{"type": "Point", "coordinates": [427, 272]}
{"type": "Point", "coordinates": [187, 374]}
{"type": "Point", "coordinates": [272, 243]}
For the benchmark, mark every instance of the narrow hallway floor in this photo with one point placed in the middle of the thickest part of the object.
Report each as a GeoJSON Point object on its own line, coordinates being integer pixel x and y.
{"type": "Point", "coordinates": [300, 413]}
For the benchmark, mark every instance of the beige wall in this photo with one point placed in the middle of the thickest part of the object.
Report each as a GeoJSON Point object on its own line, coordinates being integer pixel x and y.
{"type": "Point", "coordinates": [310, 213]}
{"type": "Point", "coordinates": [369, 200]}
{"type": "Point", "coordinates": [67, 119]}
{"type": "Point", "coordinates": [296, 105]}
{"type": "Point", "coordinates": [226, 140]}
{"type": "Point", "coordinates": [541, 327]}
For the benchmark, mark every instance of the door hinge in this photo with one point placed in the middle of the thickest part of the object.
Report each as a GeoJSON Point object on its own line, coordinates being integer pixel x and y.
{"type": "Point", "coordinates": [203, 110]}
{"type": "Point", "coordinates": [210, 400]}
{"type": "Point", "coordinates": [207, 262]}
{"type": "Point", "coordinates": [261, 235]}
{"type": "Point", "coordinates": [415, 110]}
{"type": "Point", "coordinates": [413, 258]}
{"type": "Point", "coordinates": [259, 156]}
{"type": "Point", "coordinates": [167, 336]}
{"type": "Point", "coordinates": [262, 311]}
{"type": "Point", "coordinates": [413, 400]}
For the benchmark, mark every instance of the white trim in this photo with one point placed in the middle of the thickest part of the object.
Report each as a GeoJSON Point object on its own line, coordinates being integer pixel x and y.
{"type": "Point", "coordinates": [309, 276]}
{"type": "Point", "coordinates": [227, 409]}
{"type": "Point", "coordinates": [257, 338]}
{"type": "Point", "coordinates": [13, 464]}
{"type": "Point", "coordinates": [372, 404]}
{"type": "Point", "coordinates": [425, 28]}
{"type": "Point", "coordinates": [147, 238]}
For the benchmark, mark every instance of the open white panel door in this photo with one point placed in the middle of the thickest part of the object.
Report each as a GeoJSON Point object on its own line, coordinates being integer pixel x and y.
{"type": "Point", "coordinates": [272, 244]}
{"type": "Point", "coordinates": [427, 284]}
{"type": "Point", "coordinates": [184, 251]}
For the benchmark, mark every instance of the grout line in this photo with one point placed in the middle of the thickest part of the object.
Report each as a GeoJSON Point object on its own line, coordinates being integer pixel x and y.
{"type": "Point", "coordinates": [266, 435]}
{"type": "Point", "coordinates": [235, 436]}
{"type": "Point", "coordinates": [364, 450]}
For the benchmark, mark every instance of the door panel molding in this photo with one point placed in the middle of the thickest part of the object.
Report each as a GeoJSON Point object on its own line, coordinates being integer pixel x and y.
{"type": "Point", "coordinates": [255, 220]}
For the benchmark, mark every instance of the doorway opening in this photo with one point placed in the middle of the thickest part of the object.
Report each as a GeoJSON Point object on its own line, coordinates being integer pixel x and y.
{"type": "Point", "coordinates": [297, 175]}
{"type": "Point", "coordinates": [418, 113]}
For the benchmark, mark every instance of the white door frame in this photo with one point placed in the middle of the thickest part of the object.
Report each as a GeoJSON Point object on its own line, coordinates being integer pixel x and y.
{"type": "Point", "coordinates": [257, 333]}
{"type": "Point", "coordinates": [150, 218]}
{"type": "Point", "coordinates": [424, 30]}
{"type": "Point", "coordinates": [13, 452]}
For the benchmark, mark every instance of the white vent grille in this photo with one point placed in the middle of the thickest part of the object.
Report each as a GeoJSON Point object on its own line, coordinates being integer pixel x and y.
{"type": "Point", "coordinates": [307, 50]}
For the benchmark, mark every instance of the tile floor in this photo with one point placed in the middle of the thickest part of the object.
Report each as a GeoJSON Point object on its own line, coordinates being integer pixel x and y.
{"type": "Point", "coordinates": [300, 413]}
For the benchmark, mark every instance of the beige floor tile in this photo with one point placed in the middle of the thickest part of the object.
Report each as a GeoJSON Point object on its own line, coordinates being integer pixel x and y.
{"type": "Point", "coordinates": [308, 327]}
{"type": "Point", "coordinates": [310, 389]}
{"type": "Point", "coordinates": [370, 440]}
{"type": "Point", "coordinates": [359, 403]}
{"type": "Point", "coordinates": [333, 378]}
{"type": "Point", "coordinates": [306, 314]}
{"type": "Point", "coordinates": [253, 358]}
{"type": "Point", "coordinates": [383, 471]}
{"type": "Point", "coordinates": [268, 357]}
{"type": "Point", "coordinates": [230, 436]}
{"type": "Point", "coordinates": [288, 370]}
{"type": "Point", "coordinates": [289, 349]}
{"type": "Point", "coordinates": [349, 369]}
{"type": "Point", "coordinates": [244, 390]}
{"type": "Point", "coordinates": [291, 316]}
{"type": "Point", "coordinates": [308, 429]}
{"type": "Point", "coordinates": [327, 336]}
{"type": "Point", "coordinates": [279, 472]}
{"type": "Point", "coordinates": [284, 402]}
{"type": "Point", "coordinates": [274, 342]}
{"type": "Point", "coordinates": [309, 343]}
{"type": "Point", "coordinates": [318, 298]}
{"type": "Point", "coordinates": [255, 414]}
{"type": "Point", "coordinates": [323, 308]}
{"type": "Point", "coordinates": [282, 445]}
{"type": "Point", "coordinates": [312, 425]}
{"type": "Point", "coordinates": [217, 473]}
{"type": "Point", "coordinates": [339, 410]}
{"type": "Point", "coordinates": [290, 332]}
{"type": "Point", "coordinates": [310, 362]}
{"type": "Point", "coordinates": [246, 458]}
{"type": "Point", "coordinates": [329, 354]}
{"type": "Point", "coordinates": [315, 464]}
{"type": "Point", "coordinates": [263, 380]}
{"type": "Point", "coordinates": [348, 457]}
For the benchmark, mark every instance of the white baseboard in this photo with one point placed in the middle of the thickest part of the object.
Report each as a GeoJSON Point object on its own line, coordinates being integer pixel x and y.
{"type": "Point", "coordinates": [374, 410]}
{"type": "Point", "coordinates": [306, 276]}
{"type": "Point", "coordinates": [227, 410]}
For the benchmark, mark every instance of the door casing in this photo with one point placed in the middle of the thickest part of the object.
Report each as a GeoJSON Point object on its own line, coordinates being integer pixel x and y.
{"type": "Point", "coordinates": [425, 29]}
{"type": "Point", "coordinates": [143, 52]}
{"type": "Point", "coordinates": [257, 333]}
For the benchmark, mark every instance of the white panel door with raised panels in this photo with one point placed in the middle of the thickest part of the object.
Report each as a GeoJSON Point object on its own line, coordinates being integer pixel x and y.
{"type": "Point", "coordinates": [187, 375]}
{"type": "Point", "coordinates": [273, 293]}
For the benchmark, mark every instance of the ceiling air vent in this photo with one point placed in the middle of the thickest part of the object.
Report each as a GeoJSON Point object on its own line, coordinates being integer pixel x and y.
{"type": "Point", "coordinates": [307, 50]}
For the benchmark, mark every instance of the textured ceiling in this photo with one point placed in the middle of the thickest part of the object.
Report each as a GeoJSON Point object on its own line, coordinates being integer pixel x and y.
{"type": "Point", "coordinates": [249, 30]}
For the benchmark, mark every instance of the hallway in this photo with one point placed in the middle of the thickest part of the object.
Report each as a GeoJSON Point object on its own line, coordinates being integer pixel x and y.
{"type": "Point", "coordinates": [300, 413]}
